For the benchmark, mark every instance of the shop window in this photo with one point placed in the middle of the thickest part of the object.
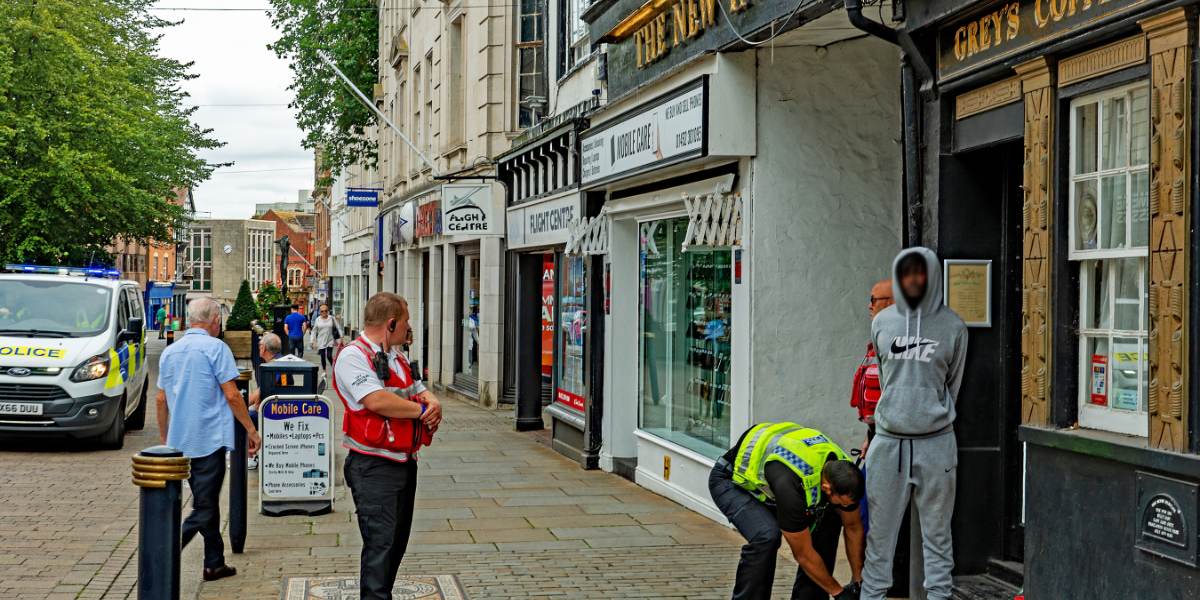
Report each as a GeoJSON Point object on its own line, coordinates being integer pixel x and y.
{"type": "Point", "coordinates": [572, 329]}
{"type": "Point", "coordinates": [469, 326]}
{"type": "Point", "coordinates": [684, 354]}
{"type": "Point", "coordinates": [547, 319]}
{"type": "Point", "coordinates": [1109, 238]}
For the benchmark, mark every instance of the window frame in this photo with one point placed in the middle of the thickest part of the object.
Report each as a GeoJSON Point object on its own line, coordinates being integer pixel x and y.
{"type": "Point", "coordinates": [1095, 416]}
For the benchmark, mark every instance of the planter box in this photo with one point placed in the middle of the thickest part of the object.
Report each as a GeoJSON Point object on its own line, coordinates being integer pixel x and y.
{"type": "Point", "coordinates": [239, 343]}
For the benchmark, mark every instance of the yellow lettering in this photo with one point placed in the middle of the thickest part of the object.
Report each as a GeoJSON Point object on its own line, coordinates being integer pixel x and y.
{"type": "Point", "coordinates": [1014, 20]}
{"type": "Point", "coordinates": [1071, 8]}
{"type": "Point", "coordinates": [1037, 13]}
{"type": "Point", "coordinates": [680, 26]}
{"type": "Point", "coordinates": [1057, 9]}
{"type": "Point", "coordinates": [661, 34]}
{"type": "Point", "coordinates": [999, 35]}
{"type": "Point", "coordinates": [637, 41]}
{"type": "Point", "coordinates": [972, 40]}
{"type": "Point", "coordinates": [960, 43]}
{"type": "Point", "coordinates": [985, 37]}
{"type": "Point", "coordinates": [693, 10]}
{"type": "Point", "coordinates": [708, 13]}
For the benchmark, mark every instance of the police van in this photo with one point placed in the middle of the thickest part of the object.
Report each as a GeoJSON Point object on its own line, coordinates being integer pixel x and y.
{"type": "Point", "coordinates": [72, 354]}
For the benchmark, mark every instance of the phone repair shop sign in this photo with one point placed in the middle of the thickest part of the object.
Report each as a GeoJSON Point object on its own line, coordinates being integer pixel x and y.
{"type": "Point", "coordinates": [296, 459]}
{"type": "Point", "coordinates": [664, 131]}
{"type": "Point", "coordinates": [468, 209]}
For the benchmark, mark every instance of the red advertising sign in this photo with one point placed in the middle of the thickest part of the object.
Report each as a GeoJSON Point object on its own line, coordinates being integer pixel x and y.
{"type": "Point", "coordinates": [572, 400]}
{"type": "Point", "coordinates": [1100, 379]}
{"type": "Point", "coordinates": [429, 219]}
{"type": "Point", "coordinates": [548, 315]}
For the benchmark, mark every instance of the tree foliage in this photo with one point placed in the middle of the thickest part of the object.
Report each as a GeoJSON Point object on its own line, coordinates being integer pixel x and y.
{"type": "Point", "coordinates": [245, 310]}
{"type": "Point", "coordinates": [93, 137]}
{"type": "Point", "coordinates": [329, 114]}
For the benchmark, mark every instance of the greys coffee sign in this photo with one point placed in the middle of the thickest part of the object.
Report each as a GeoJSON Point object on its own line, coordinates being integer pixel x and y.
{"type": "Point", "coordinates": [667, 130]}
{"type": "Point", "coordinates": [1008, 27]}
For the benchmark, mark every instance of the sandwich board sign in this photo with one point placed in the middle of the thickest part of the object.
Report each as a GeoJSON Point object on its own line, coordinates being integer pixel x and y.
{"type": "Point", "coordinates": [296, 459]}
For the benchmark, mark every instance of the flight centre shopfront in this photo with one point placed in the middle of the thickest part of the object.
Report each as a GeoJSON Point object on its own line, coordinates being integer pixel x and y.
{"type": "Point", "coordinates": [1059, 162]}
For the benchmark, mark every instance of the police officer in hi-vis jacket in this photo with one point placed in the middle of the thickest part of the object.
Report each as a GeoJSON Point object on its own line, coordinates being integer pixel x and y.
{"type": "Point", "coordinates": [389, 416]}
{"type": "Point", "coordinates": [783, 481]}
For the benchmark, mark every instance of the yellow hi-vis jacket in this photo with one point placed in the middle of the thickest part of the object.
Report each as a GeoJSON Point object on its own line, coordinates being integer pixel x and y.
{"type": "Point", "coordinates": [803, 450]}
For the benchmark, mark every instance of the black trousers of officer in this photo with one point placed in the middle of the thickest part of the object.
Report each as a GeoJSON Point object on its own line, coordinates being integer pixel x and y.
{"type": "Point", "coordinates": [756, 521]}
{"type": "Point", "coordinates": [384, 495]}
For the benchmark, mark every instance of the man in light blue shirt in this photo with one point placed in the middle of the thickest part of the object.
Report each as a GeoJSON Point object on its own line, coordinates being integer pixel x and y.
{"type": "Point", "coordinates": [197, 402]}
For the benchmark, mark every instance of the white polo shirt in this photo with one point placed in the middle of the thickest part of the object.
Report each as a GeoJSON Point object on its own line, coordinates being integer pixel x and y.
{"type": "Point", "coordinates": [356, 378]}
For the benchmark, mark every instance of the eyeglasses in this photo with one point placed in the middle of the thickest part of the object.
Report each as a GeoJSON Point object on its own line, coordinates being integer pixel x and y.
{"type": "Point", "coordinates": [874, 299]}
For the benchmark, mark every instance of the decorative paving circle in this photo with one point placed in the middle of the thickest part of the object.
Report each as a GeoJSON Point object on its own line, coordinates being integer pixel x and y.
{"type": "Point", "coordinates": [436, 587]}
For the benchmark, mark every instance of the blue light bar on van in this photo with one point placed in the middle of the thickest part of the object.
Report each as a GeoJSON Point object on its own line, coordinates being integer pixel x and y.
{"type": "Point", "coordinates": [48, 270]}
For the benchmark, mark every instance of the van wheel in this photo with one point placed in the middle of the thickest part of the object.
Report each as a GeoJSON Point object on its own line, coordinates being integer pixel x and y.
{"type": "Point", "coordinates": [137, 420]}
{"type": "Point", "coordinates": [114, 438]}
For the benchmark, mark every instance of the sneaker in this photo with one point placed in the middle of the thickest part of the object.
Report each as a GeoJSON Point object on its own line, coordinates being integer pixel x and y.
{"type": "Point", "coordinates": [252, 463]}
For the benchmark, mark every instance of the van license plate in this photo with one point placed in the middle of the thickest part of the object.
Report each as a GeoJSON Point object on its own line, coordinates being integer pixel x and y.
{"type": "Point", "coordinates": [20, 408]}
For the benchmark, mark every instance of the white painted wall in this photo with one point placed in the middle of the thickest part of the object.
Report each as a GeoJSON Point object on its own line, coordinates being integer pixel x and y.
{"type": "Point", "coordinates": [825, 225]}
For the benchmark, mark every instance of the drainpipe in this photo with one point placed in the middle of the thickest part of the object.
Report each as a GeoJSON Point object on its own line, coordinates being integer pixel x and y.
{"type": "Point", "coordinates": [917, 85]}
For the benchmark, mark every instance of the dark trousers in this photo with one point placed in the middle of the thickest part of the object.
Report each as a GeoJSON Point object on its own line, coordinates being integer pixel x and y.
{"type": "Point", "coordinates": [755, 520]}
{"type": "Point", "coordinates": [162, 328]}
{"type": "Point", "coordinates": [208, 473]}
{"type": "Point", "coordinates": [297, 344]}
{"type": "Point", "coordinates": [384, 493]}
{"type": "Point", "coordinates": [326, 353]}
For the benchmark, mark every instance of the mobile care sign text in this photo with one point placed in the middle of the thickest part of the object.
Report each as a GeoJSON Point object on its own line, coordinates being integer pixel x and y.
{"type": "Point", "coordinates": [297, 449]}
{"type": "Point", "coordinates": [667, 130]}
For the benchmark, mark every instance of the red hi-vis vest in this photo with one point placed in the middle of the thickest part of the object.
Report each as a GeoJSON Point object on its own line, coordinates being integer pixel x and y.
{"type": "Point", "coordinates": [865, 396]}
{"type": "Point", "coordinates": [371, 433]}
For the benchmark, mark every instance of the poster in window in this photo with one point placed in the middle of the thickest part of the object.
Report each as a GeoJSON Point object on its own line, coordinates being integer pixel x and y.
{"type": "Point", "coordinates": [1100, 379]}
{"type": "Point", "coordinates": [968, 290]}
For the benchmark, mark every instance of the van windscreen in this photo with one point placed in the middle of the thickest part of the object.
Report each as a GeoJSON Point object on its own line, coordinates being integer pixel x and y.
{"type": "Point", "coordinates": [53, 308]}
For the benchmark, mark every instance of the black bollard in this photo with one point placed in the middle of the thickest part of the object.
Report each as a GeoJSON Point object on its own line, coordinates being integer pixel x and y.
{"type": "Point", "coordinates": [170, 336]}
{"type": "Point", "coordinates": [237, 473]}
{"type": "Point", "coordinates": [160, 472]}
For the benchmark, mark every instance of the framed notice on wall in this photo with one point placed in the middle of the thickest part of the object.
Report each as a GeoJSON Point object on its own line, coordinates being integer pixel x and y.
{"type": "Point", "coordinates": [968, 290]}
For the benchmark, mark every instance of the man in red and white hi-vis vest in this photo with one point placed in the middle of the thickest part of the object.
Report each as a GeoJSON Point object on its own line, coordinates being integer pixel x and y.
{"type": "Point", "coordinates": [389, 416]}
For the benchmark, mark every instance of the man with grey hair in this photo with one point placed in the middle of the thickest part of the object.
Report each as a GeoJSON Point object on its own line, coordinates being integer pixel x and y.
{"type": "Point", "coordinates": [270, 348]}
{"type": "Point", "coordinates": [197, 402]}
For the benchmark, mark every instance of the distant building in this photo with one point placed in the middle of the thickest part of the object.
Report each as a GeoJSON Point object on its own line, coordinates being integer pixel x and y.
{"type": "Point", "coordinates": [299, 227]}
{"type": "Point", "coordinates": [220, 253]}
{"type": "Point", "coordinates": [304, 203]}
{"type": "Point", "coordinates": [155, 261]}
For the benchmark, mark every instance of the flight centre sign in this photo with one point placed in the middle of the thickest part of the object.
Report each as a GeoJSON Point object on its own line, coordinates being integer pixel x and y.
{"type": "Point", "coordinates": [664, 131]}
{"type": "Point", "coordinates": [468, 209]}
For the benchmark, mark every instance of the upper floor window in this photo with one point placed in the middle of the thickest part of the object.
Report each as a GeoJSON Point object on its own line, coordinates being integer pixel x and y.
{"type": "Point", "coordinates": [1109, 237]}
{"type": "Point", "coordinates": [531, 64]}
{"type": "Point", "coordinates": [574, 34]}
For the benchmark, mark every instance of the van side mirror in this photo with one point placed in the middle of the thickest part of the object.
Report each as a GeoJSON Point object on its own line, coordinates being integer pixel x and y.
{"type": "Point", "coordinates": [133, 333]}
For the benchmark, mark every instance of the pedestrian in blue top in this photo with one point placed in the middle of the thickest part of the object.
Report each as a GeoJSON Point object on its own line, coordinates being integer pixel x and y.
{"type": "Point", "coordinates": [197, 403]}
{"type": "Point", "coordinates": [294, 326]}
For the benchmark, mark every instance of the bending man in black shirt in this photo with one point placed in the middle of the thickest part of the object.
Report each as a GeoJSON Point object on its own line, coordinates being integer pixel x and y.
{"type": "Point", "coordinates": [783, 481]}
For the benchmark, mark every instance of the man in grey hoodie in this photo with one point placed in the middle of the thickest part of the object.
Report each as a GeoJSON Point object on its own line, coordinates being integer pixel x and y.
{"type": "Point", "coordinates": [921, 347]}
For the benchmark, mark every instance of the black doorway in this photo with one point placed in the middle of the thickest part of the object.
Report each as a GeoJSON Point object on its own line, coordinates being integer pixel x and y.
{"type": "Point", "coordinates": [979, 216]}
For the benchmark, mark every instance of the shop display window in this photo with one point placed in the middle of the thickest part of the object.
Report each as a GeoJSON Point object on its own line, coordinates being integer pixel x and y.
{"type": "Point", "coordinates": [547, 319]}
{"type": "Point", "coordinates": [570, 391]}
{"type": "Point", "coordinates": [684, 343]}
{"type": "Point", "coordinates": [469, 360]}
{"type": "Point", "coordinates": [1110, 236]}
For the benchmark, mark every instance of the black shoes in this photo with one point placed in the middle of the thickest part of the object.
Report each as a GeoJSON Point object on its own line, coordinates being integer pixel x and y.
{"type": "Point", "coordinates": [219, 573]}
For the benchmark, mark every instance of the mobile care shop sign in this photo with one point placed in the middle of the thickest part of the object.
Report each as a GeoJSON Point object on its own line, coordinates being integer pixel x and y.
{"type": "Point", "coordinates": [667, 130]}
{"type": "Point", "coordinates": [297, 449]}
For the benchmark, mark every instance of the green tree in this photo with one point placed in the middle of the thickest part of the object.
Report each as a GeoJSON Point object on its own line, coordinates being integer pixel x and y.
{"type": "Point", "coordinates": [329, 114]}
{"type": "Point", "coordinates": [93, 137]}
{"type": "Point", "coordinates": [245, 309]}
{"type": "Point", "coordinates": [269, 296]}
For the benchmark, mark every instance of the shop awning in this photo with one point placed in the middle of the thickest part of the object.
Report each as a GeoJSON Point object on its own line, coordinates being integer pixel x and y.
{"type": "Point", "coordinates": [161, 291]}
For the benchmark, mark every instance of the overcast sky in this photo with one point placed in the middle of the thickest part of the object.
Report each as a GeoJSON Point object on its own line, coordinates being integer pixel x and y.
{"type": "Point", "coordinates": [230, 53]}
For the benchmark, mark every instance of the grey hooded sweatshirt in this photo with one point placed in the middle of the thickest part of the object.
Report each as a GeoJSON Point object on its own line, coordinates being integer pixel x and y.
{"type": "Point", "coordinates": [921, 351]}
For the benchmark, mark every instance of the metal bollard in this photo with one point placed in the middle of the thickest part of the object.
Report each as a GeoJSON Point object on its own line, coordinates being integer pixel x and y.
{"type": "Point", "coordinates": [237, 472]}
{"type": "Point", "coordinates": [160, 472]}
{"type": "Point", "coordinates": [170, 336]}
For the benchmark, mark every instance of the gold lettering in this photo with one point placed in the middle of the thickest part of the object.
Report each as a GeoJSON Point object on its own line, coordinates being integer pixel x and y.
{"type": "Point", "coordinates": [708, 13]}
{"type": "Point", "coordinates": [1087, 4]}
{"type": "Point", "coordinates": [1037, 13]}
{"type": "Point", "coordinates": [985, 37]}
{"type": "Point", "coordinates": [996, 16]}
{"type": "Point", "coordinates": [661, 33]}
{"type": "Point", "coordinates": [1070, 7]}
{"type": "Point", "coordinates": [637, 41]}
{"type": "Point", "coordinates": [680, 26]}
{"type": "Point", "coordinates": [972, 39]}
{"type": "Point", "coordinates": [1058, 8]}
{"type": "Point", "coordinates": [738, 5]}
{"type": "Point", "coordinates": [694, 25]}
{"type": "Point", "coordinates": [1014, 20]}
{"type": "Point", "coordinates": [960, 43]}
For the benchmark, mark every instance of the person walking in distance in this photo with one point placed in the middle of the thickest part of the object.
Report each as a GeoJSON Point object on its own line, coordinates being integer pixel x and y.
{"type": "Point", "coordinates": [161, 317]}
{"type": "Point", "coordinates": [197, 403]}
{"type": "Point", "coordinates": [922, 348]}
{"type": "Point", "coordinates": [389, 416]}
{"type": "Point", "coordinates": [325, 333]}
{"type": "Point", "coordinates": [294, 325]}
